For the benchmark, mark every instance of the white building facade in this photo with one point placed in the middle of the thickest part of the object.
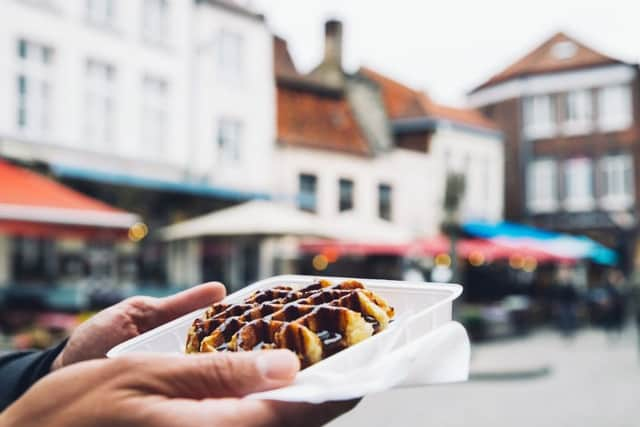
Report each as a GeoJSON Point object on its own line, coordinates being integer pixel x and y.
{"type": "Point", "coordinates": [178, 91]}
{"type": "Point", "coordinates": [401, 186]}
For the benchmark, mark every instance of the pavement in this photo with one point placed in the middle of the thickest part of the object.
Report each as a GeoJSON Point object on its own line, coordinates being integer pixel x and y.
{"type": "Point", "coordinates": [542, 380]}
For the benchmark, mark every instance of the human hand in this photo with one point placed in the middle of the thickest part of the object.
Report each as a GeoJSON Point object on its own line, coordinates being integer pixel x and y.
{"type": "Point", "coordinates": [169, 391]}
{"type": "Point", "coordinates": [130, 318]}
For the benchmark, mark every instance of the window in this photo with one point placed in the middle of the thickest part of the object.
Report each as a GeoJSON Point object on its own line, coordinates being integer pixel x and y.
{"type": "Point", "coordinates": [100, 12]}
{"type": "Point", "coordinates": [564, 50]}
{"type": "Point", "coordinates": [345, 201]}
{"type": "Point", "coordinates": [616, 174]}
{"type": "Point", "coordinates": [99, 105]}
{"type": "Point", "coordinates": [33, 88]}
{"type": "Point", "coordinates": [541, 185]}
{"type": "Point", "coordinates": [155, 20]}
{"type": "Point", "coordinates": [577, 112]}
{"type": "Point", "coordinates": [578, 184]}
{"type": "Point", "coordinates": [384, 201]}
{"type": "Point", "coordinates": [154, 117]}
{"type": "Point", "coordinates": [615, 108]}
{"type": "Point", "coordinates": [230, 56]}
{"type": "Point", "coordinates": [229, 140]}
{"type": "Point", "coordinates": [539, 116]}
{"type": "Point", "coordinates": [307, 195]}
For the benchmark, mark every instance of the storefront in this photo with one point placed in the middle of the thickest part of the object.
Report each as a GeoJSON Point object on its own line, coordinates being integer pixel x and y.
{"type": "Point", "coordinates": [51, 235]}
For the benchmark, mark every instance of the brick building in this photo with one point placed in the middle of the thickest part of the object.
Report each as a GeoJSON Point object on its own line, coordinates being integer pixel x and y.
{"type": "Point", "coordinates": [571, 122]}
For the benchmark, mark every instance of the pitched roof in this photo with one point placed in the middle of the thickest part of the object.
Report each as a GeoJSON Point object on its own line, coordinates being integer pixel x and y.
{"type": "Point", "coordinates": [316, 119]}
{"type": "Point", "coordinates": [559, 53]}
{"type": "Point", "coordinates": [404, 102]}
{"type": "Point", "coordinates": [311, 114]}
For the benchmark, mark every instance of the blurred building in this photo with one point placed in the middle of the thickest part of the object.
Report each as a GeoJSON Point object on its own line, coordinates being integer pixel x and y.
{"type": "Point", "coordinates": [571, 122]}
{"type": "Point", "coordinates": [161, 107]}
{"type": "Point", "coordinates": [359, 160]}
{"type": "Point", "coordinates": [51, 235]}
{"type": "Point", "coordinates": [364, 145]}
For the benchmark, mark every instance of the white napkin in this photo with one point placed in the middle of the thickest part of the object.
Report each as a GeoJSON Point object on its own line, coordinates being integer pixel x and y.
{"type": "Point", "coordinates": [380, 363]}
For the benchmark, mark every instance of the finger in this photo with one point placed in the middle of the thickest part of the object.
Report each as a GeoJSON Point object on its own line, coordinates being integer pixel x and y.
{"type": "Point", "coordinates": [172, 307]}
{"type": "Point", "coordinates": [222, 374]}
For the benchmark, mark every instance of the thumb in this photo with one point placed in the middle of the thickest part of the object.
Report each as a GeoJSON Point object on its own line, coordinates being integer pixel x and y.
{"type": "Point", "coordinates": [227, 374]}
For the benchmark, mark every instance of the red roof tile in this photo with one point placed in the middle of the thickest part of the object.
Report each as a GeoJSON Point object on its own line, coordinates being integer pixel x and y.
{"type": "Point", "coordinates": [404, 102]}
{"type": "Point", "coordinates": [548, 58]}
{"type": "Point", "coordinates": [316, 119]}
{"type": "Point", "coordinates": [401, 101]}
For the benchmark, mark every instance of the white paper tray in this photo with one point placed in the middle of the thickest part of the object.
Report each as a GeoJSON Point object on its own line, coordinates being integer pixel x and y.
{"type": "Point", "coordinates": [421, 346]}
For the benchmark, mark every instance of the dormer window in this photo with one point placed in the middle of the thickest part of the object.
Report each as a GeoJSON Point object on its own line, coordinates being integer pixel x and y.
{"type": "Point", "coordinates": [564, 50]}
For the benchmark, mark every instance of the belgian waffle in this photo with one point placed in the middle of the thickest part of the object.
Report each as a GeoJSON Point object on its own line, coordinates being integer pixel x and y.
{"type": "Point", "coordinates": [314, 322]}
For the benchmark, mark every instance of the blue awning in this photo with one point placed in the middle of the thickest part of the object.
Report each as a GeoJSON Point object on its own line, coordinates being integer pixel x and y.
{"type": "Point", "coordinates": [196, 189]}
{"type": "Point", "coordinates": [566, 245]}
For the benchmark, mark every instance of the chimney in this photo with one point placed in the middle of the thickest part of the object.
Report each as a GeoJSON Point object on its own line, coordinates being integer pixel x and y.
{"type": "Point", "coordinates": [333, 42]}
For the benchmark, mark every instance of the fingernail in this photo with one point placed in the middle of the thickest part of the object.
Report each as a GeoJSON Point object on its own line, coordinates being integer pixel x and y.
{"type": "Point", "coordinates": [278, 364]}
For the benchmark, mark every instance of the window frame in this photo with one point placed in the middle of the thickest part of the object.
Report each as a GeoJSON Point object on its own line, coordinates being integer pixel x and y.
{"type": "Point", "coordinates": [621, 167]}
{"type": "Point", "coordinates": [385, 212]}
{"type": "Point", "coordinates": [154, 117]}
{"type": "Point", "coordinates": [621, 119]}
{"type": "Point", "coordinates": [343, 204]}
{"type": "Point", "coordinates": [35, 71]}
{"type": "Point", "coordinates": [308, 200]}
{"type": "Point", "coordinates": [535, 128]}
{"type": "Point", "coordinates": [155, 21]}
{"type": "Point", "coordinates": [578, 174]}
{"type": "Point", "coordinates": [101, 12]}
{"type": "Point", "coordinates": [100, 104]}
{"type": "Point", "coordinates": [578, 112]}
{"type": "Point", "coordinates": [229, 138]}
{"type": "Point", "coordinates": [545, 200]}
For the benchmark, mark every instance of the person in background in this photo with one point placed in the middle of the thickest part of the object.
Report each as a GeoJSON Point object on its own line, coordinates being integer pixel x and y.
{"type": "Point", "coordinates": [614, 315]}
{"type": "Point", "coordinates": [73, 385]}
{"type": "Point", "coordinates": [564, 299]}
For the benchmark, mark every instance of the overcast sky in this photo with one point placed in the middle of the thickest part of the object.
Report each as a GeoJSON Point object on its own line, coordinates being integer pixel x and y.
{"type": "Point", "coordinates": [449, 46]}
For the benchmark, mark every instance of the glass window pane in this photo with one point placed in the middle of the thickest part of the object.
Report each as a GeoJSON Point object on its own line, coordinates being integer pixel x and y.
{"type": "Point", "coordinates": [22, 49]}
{"type": "Point", "coordinates": [384, 201]}
{"type": "Point", "coordinates": [307, 192]}
{"type": "Point", "coordinates": [345, 201]}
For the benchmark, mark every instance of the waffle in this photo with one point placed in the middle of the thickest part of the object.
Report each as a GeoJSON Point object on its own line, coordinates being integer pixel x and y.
{"type": "Point", "coordinates": [314, 322]}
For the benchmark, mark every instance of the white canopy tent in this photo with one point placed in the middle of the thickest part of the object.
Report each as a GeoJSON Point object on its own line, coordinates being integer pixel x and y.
{"type": "Point", "coordinates": [266, 218]}
{"type": "Point", "coordinates": [278, 229]}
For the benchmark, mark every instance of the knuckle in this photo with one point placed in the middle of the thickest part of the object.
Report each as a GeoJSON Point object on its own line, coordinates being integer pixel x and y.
{"type": "Point", "coordinates": [140, 311]}
{"type": "Point", "coordinates": [123, 364]}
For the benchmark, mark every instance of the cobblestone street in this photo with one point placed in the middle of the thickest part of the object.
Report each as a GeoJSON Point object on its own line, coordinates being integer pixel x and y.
{"type": "Point", "coordinates": [539, 381]}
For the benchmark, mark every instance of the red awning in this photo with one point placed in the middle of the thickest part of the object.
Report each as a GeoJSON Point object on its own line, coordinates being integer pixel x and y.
{"type": "Point", "coordinates": [352, 248]}
{"type": "Point", "coordinates": [31, 204]}
{"type": "Point", "coordinates": [486, 249]}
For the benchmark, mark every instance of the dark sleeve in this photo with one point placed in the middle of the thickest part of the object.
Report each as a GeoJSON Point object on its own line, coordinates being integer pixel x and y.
{"type": "Point", "coordinates": [19, 371]}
